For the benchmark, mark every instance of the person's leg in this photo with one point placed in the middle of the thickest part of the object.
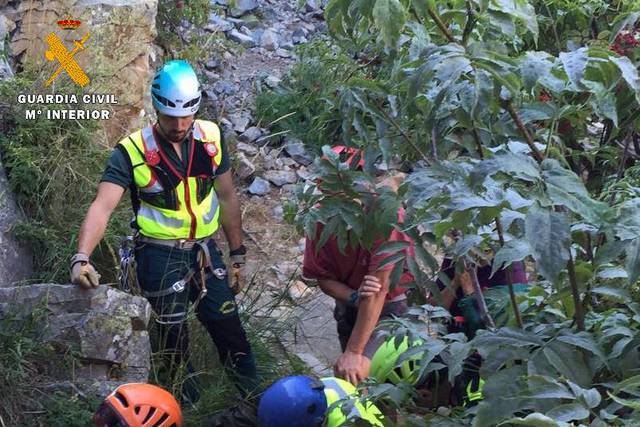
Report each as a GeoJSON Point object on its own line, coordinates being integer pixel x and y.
{"type": "Point", "coordinates": [159, 269]}
{"type": "Point", "coordinates": [218, 312]}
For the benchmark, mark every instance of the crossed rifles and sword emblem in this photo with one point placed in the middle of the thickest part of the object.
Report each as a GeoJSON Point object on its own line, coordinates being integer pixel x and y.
{"type": "Point", "coordinates": [57, 51]}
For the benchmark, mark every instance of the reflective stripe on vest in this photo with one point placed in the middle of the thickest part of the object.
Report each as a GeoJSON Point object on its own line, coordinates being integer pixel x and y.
{"type": "Point", "coordinates": [332, 384]}
{"type": "Point", "coordinates": [192, 220]}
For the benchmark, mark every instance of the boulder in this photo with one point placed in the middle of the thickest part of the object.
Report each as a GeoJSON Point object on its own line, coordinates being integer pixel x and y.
{"type": "Point", "coordinates": [242, 7]}
{"type": "Point", "coordinates": [250, 134]}
{"type": "Point", "coordinates": [295, 149]}
{"type": "Point", "coordinates": [117, 53]}
{"type": "Point", "coordinates": [15, 258]}
{"type": "Point", "coordinates": [244, 168]}
{"type": "Point", "coordinates": [104, 327]}
{"type": "Point", "coordinates": [282, 177]}
{"type": "Point", "coordinates": [269, 40]}
{"type": "Point", "coordinates": [238, 37]}
{"type": "Point", "coordinates": [259, 187]}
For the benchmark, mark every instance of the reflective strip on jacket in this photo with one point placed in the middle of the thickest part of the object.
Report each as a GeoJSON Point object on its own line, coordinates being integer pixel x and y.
{"type": "Point", "coordinates": [167, 204]}
{"type": "Point", "coordinates": [336, 389]}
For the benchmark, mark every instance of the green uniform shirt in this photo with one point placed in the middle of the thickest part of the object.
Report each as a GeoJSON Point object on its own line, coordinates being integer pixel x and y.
{"type": "Point", "coordinates": [118, 170]}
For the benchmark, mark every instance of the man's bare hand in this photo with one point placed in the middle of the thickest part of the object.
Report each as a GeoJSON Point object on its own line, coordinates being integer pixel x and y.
{"type": "Point", "coordinates": [369, 287]}
{"type": "Point", "coordinates": [352, 367]}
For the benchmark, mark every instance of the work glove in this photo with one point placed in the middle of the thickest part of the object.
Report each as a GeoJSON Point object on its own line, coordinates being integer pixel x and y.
{"type": "Point", "coordinates": [237, 259]}
{"type": "Point", "coordinates": [82, 272]}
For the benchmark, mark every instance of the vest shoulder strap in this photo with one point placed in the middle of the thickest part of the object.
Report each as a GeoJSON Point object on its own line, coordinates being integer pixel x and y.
{"type": "Point", "coordinates": [134, 147]}
{"type": "Point", "coordinates": [207, 131]}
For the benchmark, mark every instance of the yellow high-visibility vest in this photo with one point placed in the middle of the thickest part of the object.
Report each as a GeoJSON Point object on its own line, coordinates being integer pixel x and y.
{"type": "Point", "coordinates": [167, 204]}
{"type": "Point", "coordinates": [336, 389]}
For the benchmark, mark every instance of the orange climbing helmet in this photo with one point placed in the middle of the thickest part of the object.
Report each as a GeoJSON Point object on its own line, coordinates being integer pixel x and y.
{"type": "Point", "coordinates": [354, 157]}
{"type": "Point", "coordinates": [138, 405]}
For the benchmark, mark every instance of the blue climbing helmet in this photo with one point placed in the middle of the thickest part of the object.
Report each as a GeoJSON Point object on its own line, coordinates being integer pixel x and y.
{"type": "Point", "coordinates": [295, 401]}
{"type": "Point", "coordinates": [175, 90]}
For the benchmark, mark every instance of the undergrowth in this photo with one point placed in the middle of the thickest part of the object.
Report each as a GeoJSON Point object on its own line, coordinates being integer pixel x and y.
{"type": "Point", "coordinates": [53, 169]}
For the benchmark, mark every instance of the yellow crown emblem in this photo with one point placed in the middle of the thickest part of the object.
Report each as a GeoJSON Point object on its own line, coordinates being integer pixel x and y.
{"type": "Point", "coordinates": [68, 24]}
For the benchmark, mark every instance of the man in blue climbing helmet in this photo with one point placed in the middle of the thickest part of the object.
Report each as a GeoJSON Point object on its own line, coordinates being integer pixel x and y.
{"type": "Point", "coordinates": [182, 191]}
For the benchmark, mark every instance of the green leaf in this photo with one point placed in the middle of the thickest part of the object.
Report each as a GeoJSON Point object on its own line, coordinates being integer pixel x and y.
{"type": "Point", "coordinates": [392, 247]}
{"type": "Point", "coordinates": [583, 340]}
{"type": "Point", "coordinates": [389, 18]}
{"type": "Point", "coordinates": [520, 9]}
{"type": "Point", "coordinates": [544, 387]}
{"type": "Point", "coordinates": [534, 420]}
{"type": "Point", "coordinates": [627, 226]}
{"type": "Point", "coordinates": [575, 64]}
{"type": "Point", "coordinates": [391, 259]}
{"type": "Point", "coordinates": [633, 260]}
{"type": "Point", "coordinates": [628, 70]}
{"type": "Point", "coordinates": [565, 188]}
{"type": "Point", "coordinates": [513, 250]}
{"type": "Point", "coordinates": [568, 361]}
{"type": "Point", "coordinates": [569, 412]}
{"type": "Point", "coordinates": [464, 245]}
{"type": "Point", "coordinates": [533, 66]}
{"type": "Point", "coordinates": [629, 385]}
{"type": "Point", "coordinates": [549, 237]}
{"type": "Point", "coordinates": [633, 404]}
{"type": "Point", "coordinates": [623, 21]}
{"type": "Point", "coordinates": [610, 291]}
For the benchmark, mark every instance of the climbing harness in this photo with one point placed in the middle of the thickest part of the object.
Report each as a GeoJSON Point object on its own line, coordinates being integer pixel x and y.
{"type": "Point", "coordinates": [203, 261]}
{"type": "Point", "coordinates": [127, 277]}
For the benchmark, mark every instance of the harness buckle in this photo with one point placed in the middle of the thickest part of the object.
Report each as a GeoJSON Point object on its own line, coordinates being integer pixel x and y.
{"type": "Point", "coordinates": [179, 286]}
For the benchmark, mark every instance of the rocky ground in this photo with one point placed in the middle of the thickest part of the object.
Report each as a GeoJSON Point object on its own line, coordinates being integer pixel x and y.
{"type": "Point", "coordinates": [268, 167]}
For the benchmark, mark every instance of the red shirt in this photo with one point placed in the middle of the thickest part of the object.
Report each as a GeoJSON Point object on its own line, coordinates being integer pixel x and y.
{"type": "Point", "coordinates": [351, 267]}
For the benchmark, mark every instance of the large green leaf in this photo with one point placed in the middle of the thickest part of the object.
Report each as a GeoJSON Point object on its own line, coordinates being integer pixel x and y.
{"type": "Point", "coordinates": [520, 9]}
{"type": "Point", "coordinates": [535, 420]}
{"type": "Point", "coordinates": [513, 250]}
{"type": "Point", "coordinates": [534, 66]}
{"type": "Point", "coordinates": [548, 235]}
{"type": "Point", "coordinates": [389, 18]}
{"type": "Point", "coordinates": [569, 412]}
{"type": "Point", "coordinates": [633, 260]}
{"type": "Point", "coordinates": [565, 188]}
{"type": "Point", "coordinates": [575, 64]}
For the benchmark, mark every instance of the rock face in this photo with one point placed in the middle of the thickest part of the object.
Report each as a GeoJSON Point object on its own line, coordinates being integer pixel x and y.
{"type": "Point", "coordinates": [106, 328]}
{"type": "Point", "coordinates": [116, 54]}
{"type": "Point", "coordinates": [15, 259]}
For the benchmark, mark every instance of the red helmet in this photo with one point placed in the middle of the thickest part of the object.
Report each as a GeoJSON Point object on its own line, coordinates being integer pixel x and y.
{"type": "Point", "coordinates": [350, 155]}
{"type": "Point", "coordinates": [138, 405]}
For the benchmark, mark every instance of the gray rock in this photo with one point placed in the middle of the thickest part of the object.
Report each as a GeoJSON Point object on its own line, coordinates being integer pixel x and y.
{"type": "Point", "coordinates": [213, 64]}
{"type": "Point", "coordinates": [218, 24]}
{"type": "Point", "coordinates": [240, 122]}
{"type": "Point", "coordinates": [311, 6]}
{"type": "Point", "coordinates": [223, 87]}
{"type": "Point", "coordinates": [246, 30]}
{"type": "Point", "coordinates": [278, 213]}
{"type": "Point", "coordinates": [15, 257]}
{"type": "Point", "coordinates": [106, 327]}
{"type": "Point", "coordinates": [250, 134]}
{"type": "Point", "coordinates": [250, 21]}
{"type": "Point", "coordinates": [259, 187]}
{"type": "Point", "coordinates": [269, 40]}
{"type": "Point", "coordinates": [299, 36]}
{"type": "Point", "coordinates": [304, 174]}
{"type": "Point", "coordinates": [220, 2]}
{"type": "Point", "coordinates": [242, 7]}
{"type": "Point", "coordinates": [243, 39]}
{"type": "Point", "coordinates": [289, 188]}
{"type": "Point", "coordinates": [288, 162]}
{"type": "Point", "coordinates": [211, 76]}
{"type": "Point", "coordinates": [244, 168]}
{"type": "Point", "coordinates": [280, 178]}
{"type": "Point", "coordinates": [246, 148]}
{"type": "Point", "coordinates": [283, 53]}
{"type": "Point", "coordinates": [272, 81]}
{"type": "Point", "coordinates": [295, 149]}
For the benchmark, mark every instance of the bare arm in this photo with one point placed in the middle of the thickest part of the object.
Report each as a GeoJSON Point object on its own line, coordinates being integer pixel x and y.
{"type": "Point", "coordinates": [369, 311]}
{"type": "Point", "coordinates": [352, 365]}
{"type": "Point", "coordinates": [230, 215]}
{"type": "Point", "coordinates": [97, 218]}
{"type": "Point", "coordinates": [335, 289]}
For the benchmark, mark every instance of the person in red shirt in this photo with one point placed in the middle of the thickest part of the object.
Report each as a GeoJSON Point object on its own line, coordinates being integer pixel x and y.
{"type": "Point", "coordinates": [362, 293]}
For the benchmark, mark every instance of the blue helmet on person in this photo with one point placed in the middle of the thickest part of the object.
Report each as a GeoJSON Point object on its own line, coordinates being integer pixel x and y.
{"type": "Point", "coordinates": [175, 90]}
{"type": "Point", "coordinates": [294, 401]}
